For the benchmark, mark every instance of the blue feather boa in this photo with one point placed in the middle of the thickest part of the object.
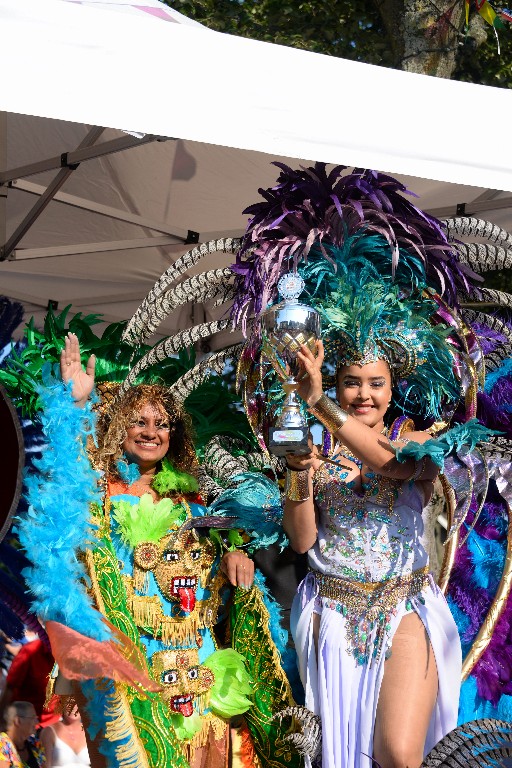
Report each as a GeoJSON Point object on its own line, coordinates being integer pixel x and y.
{"type": "Point", "coordinates": [57, 525]}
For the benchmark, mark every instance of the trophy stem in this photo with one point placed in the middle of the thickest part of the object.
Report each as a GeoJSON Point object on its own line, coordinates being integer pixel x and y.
{"type": "Point", "coordinates": [290, 385]}
{"type": "Point", "coordinates": [291, 415]}
{"type": "Point", "coordinates": [285, 328]}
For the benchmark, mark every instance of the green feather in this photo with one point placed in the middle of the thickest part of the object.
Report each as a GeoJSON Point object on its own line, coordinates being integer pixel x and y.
{"type": "Point", "coordinates": [186, 727]}
{"type": "Point", "coordinates": [170, 479]}
{"type": "Point", "coordinates": [147, 520]}
{"type": "Point", "coordinates": [230, 692]}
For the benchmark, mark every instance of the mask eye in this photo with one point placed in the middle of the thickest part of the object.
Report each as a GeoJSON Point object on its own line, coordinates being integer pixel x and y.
{"type": "Point", "coordinates": [195, 554]}
{"type": "Point", "coordinates": [192, 673]}
{"type": "Point", "coordinates": [171, 556]}
{"type": "Point", "coordinates": [169, 677]}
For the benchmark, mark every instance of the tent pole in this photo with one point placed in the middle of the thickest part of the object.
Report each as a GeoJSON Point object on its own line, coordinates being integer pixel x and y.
{"type": "Point", "coordinates": [472, 208]}
{"type": "Point", "coordinates": [9, 245]}
{"type": "Point", "coordinates": [87, 150]}
{"type": "Point", "coordinates": [104, 210]}
{"type": "Point", "coordinates": [3, 166]}
{"type": "Point", "coordinates": [69, 162]}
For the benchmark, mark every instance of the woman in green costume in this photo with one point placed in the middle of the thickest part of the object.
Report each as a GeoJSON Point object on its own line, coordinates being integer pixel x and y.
{"type": "Point", "coordinates": [157, 580]}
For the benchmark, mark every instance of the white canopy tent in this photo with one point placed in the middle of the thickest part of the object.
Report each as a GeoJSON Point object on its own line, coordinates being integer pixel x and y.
{"type": "Point", "coordinates": [91, 215]}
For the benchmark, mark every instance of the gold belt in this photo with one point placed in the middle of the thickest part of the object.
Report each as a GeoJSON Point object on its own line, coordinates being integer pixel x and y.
{"type": "Point", "coordinates": [368, 607]}
{"type": "Point", "coordinates": [370, 595]}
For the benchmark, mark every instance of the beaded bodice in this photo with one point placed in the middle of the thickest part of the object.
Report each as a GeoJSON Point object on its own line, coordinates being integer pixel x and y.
{"type": "Point", "coordinates": [368, 536]}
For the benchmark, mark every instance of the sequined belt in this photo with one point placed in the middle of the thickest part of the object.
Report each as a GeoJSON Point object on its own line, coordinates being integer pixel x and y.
{"type": "Point", "coordinates": [369, 606]}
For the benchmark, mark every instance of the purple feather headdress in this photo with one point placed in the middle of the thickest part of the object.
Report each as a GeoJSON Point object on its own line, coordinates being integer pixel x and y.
{"type": "Point", "coordinates": [312, 207]}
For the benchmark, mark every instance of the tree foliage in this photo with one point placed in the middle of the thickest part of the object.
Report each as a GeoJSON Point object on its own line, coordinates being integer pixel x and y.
{"type": "Point", "coordinates": [345, 29]}
{"type": "Point", "coordinates": [487, 63]}
{"type": "Point", "coordinates": [389, 33]}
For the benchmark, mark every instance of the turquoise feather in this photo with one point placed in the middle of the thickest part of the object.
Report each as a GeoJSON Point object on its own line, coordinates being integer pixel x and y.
{"type": "Point", "coordinates": [437, 449]}
{"type": "Point", "coordinates": [256, 503]}
{"type": "Point", "coordinates": [57, 526]}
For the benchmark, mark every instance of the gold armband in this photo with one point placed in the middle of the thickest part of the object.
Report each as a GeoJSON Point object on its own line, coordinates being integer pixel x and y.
{"type": "Point", "coordinates": [297, 484]}
{"type": "Point", "coordinates": [331, 415]}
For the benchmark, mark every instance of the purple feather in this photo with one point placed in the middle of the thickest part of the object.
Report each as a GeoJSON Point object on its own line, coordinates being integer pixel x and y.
{"type": "Point", "coordinates": [490, 407]}
{"type": "Point", "coordinates": [309, 206]}
{"type": "Point", "coordinates": [488, 338]}
{"type": "Point", "coordinates": [493, 673]}
{"type": "Point", "coordinates": [23, 613]}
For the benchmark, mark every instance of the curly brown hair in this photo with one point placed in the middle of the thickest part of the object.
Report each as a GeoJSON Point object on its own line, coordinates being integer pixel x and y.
{"type": "Point", "coordinates": [113, 424]}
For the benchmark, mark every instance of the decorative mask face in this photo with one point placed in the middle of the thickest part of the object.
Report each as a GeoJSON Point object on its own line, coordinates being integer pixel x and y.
{"type": "Point", "coordinates": [182, 677]}
{"type": "Point", "coordinates": [180, 563]}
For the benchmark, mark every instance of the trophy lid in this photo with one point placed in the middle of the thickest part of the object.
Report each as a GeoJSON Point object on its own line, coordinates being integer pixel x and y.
{"type": "Point", "coordinates": [290, 286]}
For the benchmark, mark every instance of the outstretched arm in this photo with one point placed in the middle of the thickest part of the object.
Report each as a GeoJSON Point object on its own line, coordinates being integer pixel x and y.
{"type": "Point", "coordinates": [299, 517]}
{"type": "Point", "coordinates": [71, 370]}
{"type": "Point", "coordinates": [372, 448]}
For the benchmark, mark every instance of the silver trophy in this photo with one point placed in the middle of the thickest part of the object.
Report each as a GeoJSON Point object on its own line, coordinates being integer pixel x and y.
{"type": "Point", "coordinates": [285, 328]}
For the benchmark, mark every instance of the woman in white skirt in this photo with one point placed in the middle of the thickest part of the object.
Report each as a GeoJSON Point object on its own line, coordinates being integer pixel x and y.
{"type": "Point", "coordinates": [379, 652]}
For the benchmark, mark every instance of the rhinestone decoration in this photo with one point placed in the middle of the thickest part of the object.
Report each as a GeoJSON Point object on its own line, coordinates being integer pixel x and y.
{"type": "Point", "coordinates": [290, 286]}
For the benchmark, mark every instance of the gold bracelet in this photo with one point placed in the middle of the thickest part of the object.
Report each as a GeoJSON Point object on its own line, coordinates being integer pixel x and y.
{"type": "Point", "coordinates": [297, 484]}
{"type": "Point", "coordinates": [331, 415]}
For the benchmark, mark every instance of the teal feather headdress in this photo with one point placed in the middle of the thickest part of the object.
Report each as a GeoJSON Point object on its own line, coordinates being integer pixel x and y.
{"type": "Point", "coordinates": [366, 317]}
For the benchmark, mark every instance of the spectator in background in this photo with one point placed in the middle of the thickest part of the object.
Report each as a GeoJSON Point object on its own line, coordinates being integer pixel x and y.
{"type": "Point", "coordinates": [64, 742]}
{"type": "Point", "coordinates": [27, 678]}
{"type": "Point", "coordinates": [19, 747]}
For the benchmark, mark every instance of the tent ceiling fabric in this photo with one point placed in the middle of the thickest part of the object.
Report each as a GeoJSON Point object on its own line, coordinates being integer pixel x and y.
{"type": "Point", "coordinates": [96, 66]}
{"type": "Point", "coordinates": [136, 72]}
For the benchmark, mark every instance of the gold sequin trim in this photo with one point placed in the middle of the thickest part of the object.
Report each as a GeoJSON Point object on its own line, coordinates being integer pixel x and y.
{"type": "Point", "coordinates": [368, 607]}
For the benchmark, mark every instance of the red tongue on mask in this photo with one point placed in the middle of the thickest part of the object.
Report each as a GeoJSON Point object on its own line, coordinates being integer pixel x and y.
{"type": "Point", "coordinates": [186, 708]}
{"type": "Point", "coordinates": [187, 599]}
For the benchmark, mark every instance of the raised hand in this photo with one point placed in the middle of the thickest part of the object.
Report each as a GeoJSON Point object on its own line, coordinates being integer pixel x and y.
{"type": "Point", "coordinates": [71, 370]}
{"type": "Point", "coordinates": [304, 461]}
{"type": "Point", "coordinates": [310, 387]}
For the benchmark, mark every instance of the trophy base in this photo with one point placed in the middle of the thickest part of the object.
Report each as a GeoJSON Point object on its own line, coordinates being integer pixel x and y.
{"type": "Point", "coordinates": [289, 440]}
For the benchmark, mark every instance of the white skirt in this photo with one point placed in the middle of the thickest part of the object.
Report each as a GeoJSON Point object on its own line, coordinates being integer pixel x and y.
{"type": "Point", "coordinates": [345, 694]}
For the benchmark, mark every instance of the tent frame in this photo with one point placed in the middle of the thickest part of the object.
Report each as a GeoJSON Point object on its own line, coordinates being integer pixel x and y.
{"type": "Point", "coordinates": [67, 162]}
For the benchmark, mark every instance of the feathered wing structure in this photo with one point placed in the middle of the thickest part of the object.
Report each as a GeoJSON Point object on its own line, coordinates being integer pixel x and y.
{"type": "Point", "coordinates": [476, 744]}
{"type": "Point", "coordinates": [171, 346]}
{"type": "Point", "coordinates": [331, 225]}
{"type": "Point", "coordinates": [149, 315]}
